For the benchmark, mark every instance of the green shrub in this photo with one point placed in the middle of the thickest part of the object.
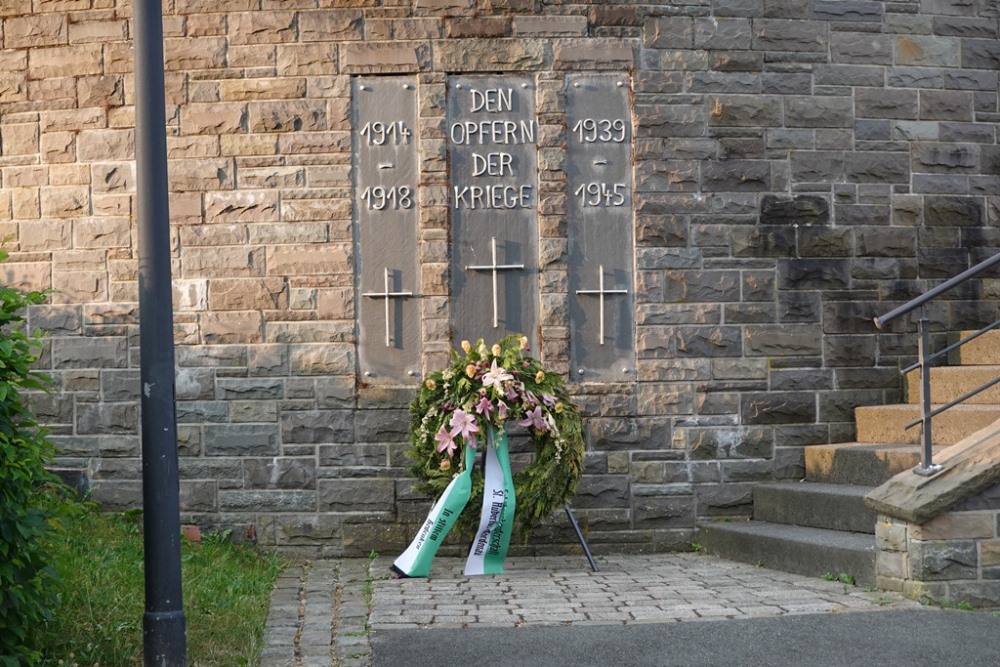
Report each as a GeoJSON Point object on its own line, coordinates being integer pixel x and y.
{"type": "Point", "coordinates": [28, 511]}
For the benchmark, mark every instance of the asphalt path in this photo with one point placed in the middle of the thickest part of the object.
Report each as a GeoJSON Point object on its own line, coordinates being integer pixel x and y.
{"type": "Point", "coordinates": [913, 638]}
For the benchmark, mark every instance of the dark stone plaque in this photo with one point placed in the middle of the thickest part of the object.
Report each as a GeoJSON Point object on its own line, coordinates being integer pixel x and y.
{"type": "Point", "coordinates": [492, 136]}
{"type": "Point", "coordinates": [599, 170]}
{"type": "Point", "coordinates": [385, 164]}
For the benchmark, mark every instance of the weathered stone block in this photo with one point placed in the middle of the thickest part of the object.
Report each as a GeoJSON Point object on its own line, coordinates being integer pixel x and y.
{"type": "Point", "coordinates": [799, 210]}
{"type": "Point", "coordinates": [267, 501]}
{"type": "Point", "coordinates": [745, 111]}
{"type": "Point", "coordinates": [317, 426]}
{"type": "Point", "coordinates": [780, 35]}
{"type": "Point", "coordinates": [943, 560]}
{"type": "Point", "coordinates": [886, 103]}
{"type": "Point", "coordinates": [357, 495]}
{"type": "Point", "coordinates": [778, 408]}
{"type": "Point", "coordinates": [813, 273]}
{"type": "Point", "coordinates": [782, 340]}
{"type": "Point", "coordinates": [241, 439]}
{"type": "Point", "coordinates": [953, 211]}
{"type": "Point", "coordinates": [280, 473]}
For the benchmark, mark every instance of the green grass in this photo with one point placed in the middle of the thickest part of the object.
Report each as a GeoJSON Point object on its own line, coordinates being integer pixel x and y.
{"type": "Point", "coordinates": [99, 560]}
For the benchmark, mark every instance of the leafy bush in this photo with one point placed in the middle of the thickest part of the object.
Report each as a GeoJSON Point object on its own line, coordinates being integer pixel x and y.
{"type": "Point", "coordinates": [28, 512]}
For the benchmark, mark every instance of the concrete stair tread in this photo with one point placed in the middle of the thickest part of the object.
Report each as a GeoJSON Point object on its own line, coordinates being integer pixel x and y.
{"type": "Point", "coordinates": [860, 463]}
{"type": "Point", "coordinates": [885, 423]}
{"type": "Point", "coordinates": [800, 549]}
{"type": "Point", "coordinates": [950, 382]}
{"type": "Point", "coordinates": [814, 504]}
{"type": "Point", "coordinates": [983, 350]}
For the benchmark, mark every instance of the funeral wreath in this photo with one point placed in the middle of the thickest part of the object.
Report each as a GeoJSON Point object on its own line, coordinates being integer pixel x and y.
{"type": "Point", "coordinates": [497, 386]}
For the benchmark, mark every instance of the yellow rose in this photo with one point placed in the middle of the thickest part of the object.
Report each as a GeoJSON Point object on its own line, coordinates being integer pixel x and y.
{"type": "Point", "coordinates": [496, 350]}
{"type": "Point", "coordinates": [539, 376]}
{"type": "Point", "coordinates": [482, 349]}
{"type": "Point", "coordinates": [430, 384]}
{"type": "Point", "coordinates": [470, 370]}
{"type": "Point", "coordinates": [466, 345]}
{"type": "Point", "coordinates": [524, 342]}
{"type": "Point", "coordinates": [445, 464]}
{"type": "Point", "coordinates": [559, 408]}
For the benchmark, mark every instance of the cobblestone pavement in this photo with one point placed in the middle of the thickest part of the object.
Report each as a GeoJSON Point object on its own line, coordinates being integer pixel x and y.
{"type": "Point", "coordinates": [321, 612]}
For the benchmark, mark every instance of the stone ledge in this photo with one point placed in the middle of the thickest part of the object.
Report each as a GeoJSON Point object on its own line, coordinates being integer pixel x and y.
{"type": "Point", "coordinates": [969, 467]}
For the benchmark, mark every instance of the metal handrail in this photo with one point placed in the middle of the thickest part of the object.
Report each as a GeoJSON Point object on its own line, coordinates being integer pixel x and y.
{"type": "Point", "coordinates": [931, 294]}
{"type": "Point", "coordinates": [927, 466]}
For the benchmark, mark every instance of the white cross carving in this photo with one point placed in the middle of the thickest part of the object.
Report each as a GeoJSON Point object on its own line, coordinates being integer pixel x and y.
{"type": "Point", "coordinates": [493, 268]}
{"type": "Point", "coordinates": [386, 295]}
{"type": "Point", "coordinates": [600, 292]}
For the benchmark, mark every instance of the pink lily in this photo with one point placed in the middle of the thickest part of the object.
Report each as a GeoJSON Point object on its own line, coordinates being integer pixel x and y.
{"type": "Point", "coordinates": [548, 399]}
{"type": "Point", "coordinates": [534, 419]}
{"type": "Point", "coordinates": [445, 441]}
{"type": "Point", "coordinates": [484, 407]}
{"type": "Point", "coordinates": [496, 376]}
{"type": "Point", "coordinates": [463, 424]}
{"type": "Point", "coordinates": [501, 410]}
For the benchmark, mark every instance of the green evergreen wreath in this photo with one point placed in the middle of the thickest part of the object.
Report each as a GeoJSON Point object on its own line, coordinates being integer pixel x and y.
{"type": "Point", "coordinates": [492, 386]}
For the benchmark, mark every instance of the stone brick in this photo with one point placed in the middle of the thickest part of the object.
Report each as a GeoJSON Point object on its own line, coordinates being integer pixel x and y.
{"type": "Point", "coordinates": [265, 27]}
{"type": "Point", "coordinates": [194, 53]}
{"type": "Point", "coordinates": [720, 33]}
{"type": "Point", "coordinates": [331, 25]}
{"type": "Point", "coordinates": [280, 473]}
{"type": "Point", "coordinates": [223, 262]}
{"type": "Point", "coordinates": [886, 103]}
{"type": "Point", "coordinates": [78, 60]}
{"type": "Point", "coordinates": [741, 110]}
{"type": "Point", "coordinates": [267, 501]}
{"type": "Point", "coordinates": [322, 359]}
{"type": "Point", "coordinates": [287, 116]}
{"type": "Point", "coordinates": [383, 58]}
{"type": "Point", "coordinates": [927, 51]}
{"type": "Point", "coordinates": [557, 26]}
{"type": "Point", "coordinates": [819, 112]}
{"type": "Point", "coordinates": [877, 167]}
{"type": "Point", "coordinates": [609, 57]}
{"type": "Point", "coordinates": [35, 30]}
{"type": "Point", "coordinates": [241, 439]}
{"type": "Point", "coordinates": [247, 294]}
{"type": "Point", "coordinates": [953, 211]}
{"type": "Point", "coordinates": [201, 175]}
{"type": "Point", "coordinates": [943, 560]}
{"type": "Point", "coordinates": [799, 210]}
{"type": "Point", "coordinates": [980, 54]}
{"type": "Point", "coordinates": [498, 55]}
{"type": "Point", "coordinates": [780, 35]}
{"type": "Point", "coordinates": [946, 105]}
{"type": "Point", "coordinates": [813, 273]}
{"type": "Point", "coordinates": [782, 340]}
{"type": "Point", "coordinates": [268, 88]}
{"type": "Point", "coordinates": [357, 495]}
{"type": "Point", "coordinates": [227, 327]}
{"type": "Point", "coordinates": [220, 118]}
{"type": "Point", "coordinates": [669, 32]}
{"type": "Point", "coordinates": [482, 26]}
{"type": "Point", "coordinates": [736, 176]}
{"type": "Point", "coordinates": [304, 60]}
{"type": "Point", "coordinates": [817, 166]}
{"type": "Point", "coordinates": [861, 48]}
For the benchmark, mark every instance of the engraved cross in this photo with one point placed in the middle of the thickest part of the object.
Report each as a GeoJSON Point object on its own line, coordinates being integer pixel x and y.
{"type": "Point", "coordinates": [600, 292]}
{"type": "Point", "coordinates": [493, 267]}
{"type": "Point", "coordinates": [386, 295]}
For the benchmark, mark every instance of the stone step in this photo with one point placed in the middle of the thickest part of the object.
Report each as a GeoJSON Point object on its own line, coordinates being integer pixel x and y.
{"type": "Point", "coordinates": [812, 552]}
{"type": "Point", "coordinates": [884, 423]}
{"type": "Point", "coordinates": [983, 351]}
{"type": "Point", "coordinates": [865, 464]}
{"type": "Point", "coordinates": [950, 382]}
{"type": "Point", "coordinates": [814, 504]}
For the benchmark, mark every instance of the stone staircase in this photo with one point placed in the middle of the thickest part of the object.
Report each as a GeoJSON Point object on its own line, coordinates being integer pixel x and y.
{"type": "Point", "coordinates": [821, 525]}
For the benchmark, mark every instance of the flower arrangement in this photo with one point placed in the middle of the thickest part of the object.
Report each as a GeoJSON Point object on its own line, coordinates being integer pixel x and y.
{"type": "Point", "coordinates": [490, 387]}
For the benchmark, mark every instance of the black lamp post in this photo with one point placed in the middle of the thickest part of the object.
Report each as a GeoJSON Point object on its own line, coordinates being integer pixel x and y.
{"type": "Point", "coordinates": [164, 643]}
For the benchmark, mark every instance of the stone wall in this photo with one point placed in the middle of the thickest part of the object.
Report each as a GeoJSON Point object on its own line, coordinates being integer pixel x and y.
{"type": "Point", "coordinates": [799, 168]}
{"type": "Point", "coordinates": [953, 559]}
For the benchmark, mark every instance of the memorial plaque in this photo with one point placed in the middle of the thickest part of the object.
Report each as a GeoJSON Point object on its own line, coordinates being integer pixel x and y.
{"type": "Point", "coordinates": [385, 167]}
{"type": "Point", "coordinates": [492, 136]}
{"type": "Point", "coordinates": [599, 170]}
